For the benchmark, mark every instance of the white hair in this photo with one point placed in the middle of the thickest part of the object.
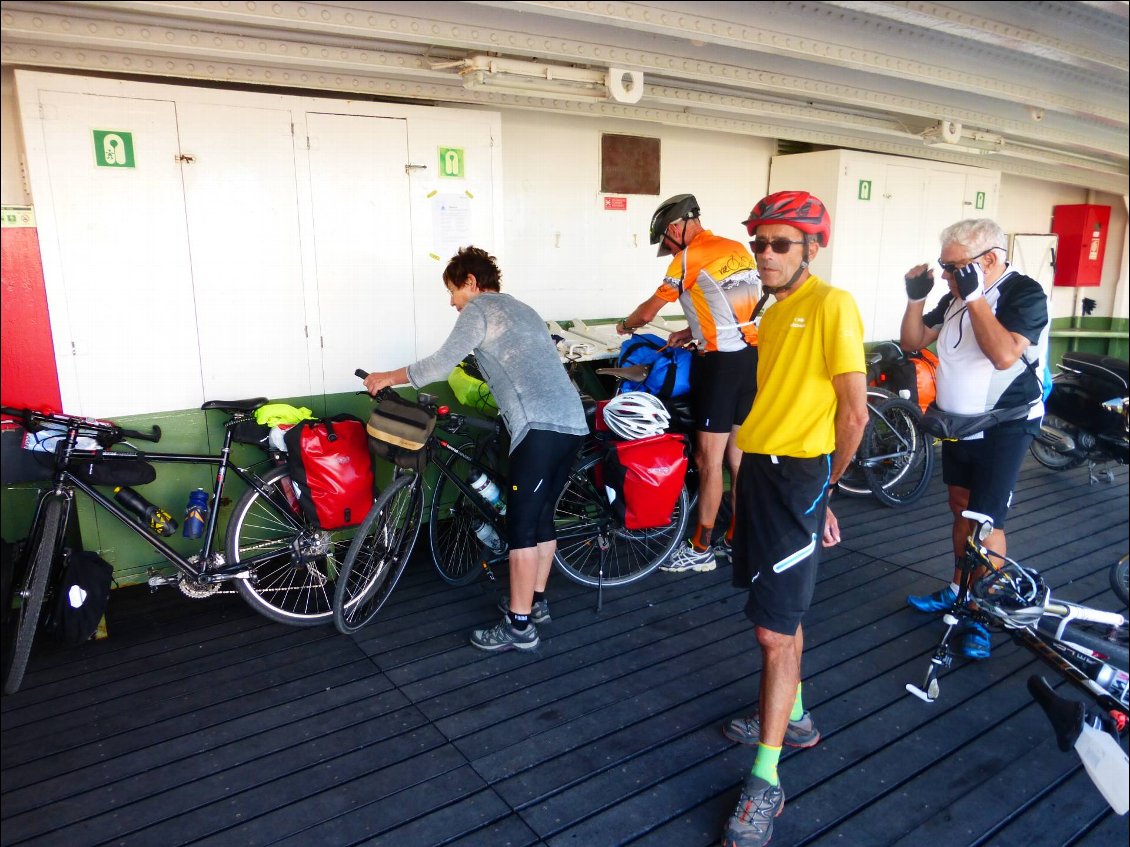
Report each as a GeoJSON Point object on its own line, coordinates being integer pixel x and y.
{"type": "Point", "coordinates": [976, 235]}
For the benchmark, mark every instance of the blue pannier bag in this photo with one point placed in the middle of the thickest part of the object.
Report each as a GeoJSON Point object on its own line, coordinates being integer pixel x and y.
{"type": "Point", "coordinates": [670, 370]}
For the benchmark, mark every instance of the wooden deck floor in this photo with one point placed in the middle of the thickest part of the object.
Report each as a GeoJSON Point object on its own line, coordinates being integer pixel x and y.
{"type": "Point", "coordinates": [199, 722]}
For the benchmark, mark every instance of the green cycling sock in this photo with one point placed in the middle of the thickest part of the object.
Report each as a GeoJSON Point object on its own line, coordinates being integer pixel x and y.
{"type": "Point", "coordinates": [798, 706]}
{"type": "Point", "coordinates": [765, 765]}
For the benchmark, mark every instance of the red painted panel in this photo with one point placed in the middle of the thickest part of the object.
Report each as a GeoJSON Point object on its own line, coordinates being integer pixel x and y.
{"type": "Point", "coordinates": [28, 376]}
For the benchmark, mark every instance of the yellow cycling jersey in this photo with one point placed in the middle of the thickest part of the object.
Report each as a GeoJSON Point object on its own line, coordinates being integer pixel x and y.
{"type": "Point", "coordinates": [716, 282]}
{"type": "Point", "coordinates": [812, 335]}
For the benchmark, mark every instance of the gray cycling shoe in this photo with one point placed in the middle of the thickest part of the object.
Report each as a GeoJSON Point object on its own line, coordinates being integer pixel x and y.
{"type": "Point", "coordinates": [503, 636]}
{"type": "Point", "coordinates": [747, 730]}
{"type": "Point", "coordinates": [539, 612]}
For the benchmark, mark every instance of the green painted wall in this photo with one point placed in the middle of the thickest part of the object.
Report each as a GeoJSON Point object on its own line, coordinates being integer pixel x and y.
{"type": "Point", "coordinates": [190, 431]}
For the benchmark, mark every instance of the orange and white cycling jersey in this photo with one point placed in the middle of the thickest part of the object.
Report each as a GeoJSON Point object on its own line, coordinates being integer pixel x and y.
{"type": "Point", "coordinates": [716, 282]}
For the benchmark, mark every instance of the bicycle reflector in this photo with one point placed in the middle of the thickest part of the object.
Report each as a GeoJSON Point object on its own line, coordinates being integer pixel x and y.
{"type": "Point", "coordinates": [1012, 594]}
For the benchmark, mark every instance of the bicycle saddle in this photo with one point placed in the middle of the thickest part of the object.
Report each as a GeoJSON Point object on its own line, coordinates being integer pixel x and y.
{"type": "Point", "coordinates": [632, 373]}
{"type": "Point", "coordinates": [234, 405]}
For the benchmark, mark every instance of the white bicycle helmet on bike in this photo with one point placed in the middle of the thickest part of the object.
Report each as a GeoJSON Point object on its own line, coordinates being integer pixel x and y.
{"type": "Point", "coordinates": [636, 414]}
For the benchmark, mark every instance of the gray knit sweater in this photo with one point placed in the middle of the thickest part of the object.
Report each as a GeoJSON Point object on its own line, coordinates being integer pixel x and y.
{"type": "Point", "coordinates": [519, 362]}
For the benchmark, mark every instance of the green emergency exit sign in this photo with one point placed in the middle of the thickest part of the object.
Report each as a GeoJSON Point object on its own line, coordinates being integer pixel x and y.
{"type": "Point", "coordinates": [113, 148]}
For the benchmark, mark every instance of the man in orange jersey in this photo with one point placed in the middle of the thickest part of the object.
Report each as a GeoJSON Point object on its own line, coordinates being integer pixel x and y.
{"type": "Point", "coordinates": [715, 281]}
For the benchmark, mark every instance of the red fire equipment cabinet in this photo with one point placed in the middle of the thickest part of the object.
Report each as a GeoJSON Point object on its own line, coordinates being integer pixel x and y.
{"type": "Point", "coordinates": [1082, 233]}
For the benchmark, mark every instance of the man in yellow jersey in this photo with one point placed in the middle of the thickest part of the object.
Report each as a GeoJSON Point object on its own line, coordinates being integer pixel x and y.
{"type": "Point", "coordinates": [715, 281]}
{"type": "Point", "coordinates": [802, 432]}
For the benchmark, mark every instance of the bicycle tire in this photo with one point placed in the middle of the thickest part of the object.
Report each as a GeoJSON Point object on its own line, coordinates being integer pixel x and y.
{"type": "Point", "coordinates": [1119, 576]}
{"type": "Point", "coordinates": [582, 517]}
{"type": "Point", "coordinates": [1051, 458]}
{"type": "Point", "coordinates": [295, 585]}
{"type": "Point", "coordinates": [902, 476]}
{"type": "Point", "coordinates": [378, 554]}
{"type": "Point", "coordinates": [853, 481]}
{"type": "Point", "coordinates": [40, 565]}
{"type": "Point", "coordinates": [456, 551]}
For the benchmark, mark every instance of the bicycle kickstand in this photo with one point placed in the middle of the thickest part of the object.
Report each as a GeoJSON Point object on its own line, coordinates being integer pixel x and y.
{"type": "Point", "coordinates": [605, 545]}
{"type": "Point", "coordinates": [930, 689]}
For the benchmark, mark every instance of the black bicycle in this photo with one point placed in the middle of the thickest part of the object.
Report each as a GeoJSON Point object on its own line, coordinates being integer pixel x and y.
{"type": "Point", "coordinates": [468, 534]}
{"type": "Point", "coordinates": [281, 565]}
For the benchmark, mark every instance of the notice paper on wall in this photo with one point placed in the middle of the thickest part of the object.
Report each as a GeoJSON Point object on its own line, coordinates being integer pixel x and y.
{"type": "Point", "coordinates": [451, 224]}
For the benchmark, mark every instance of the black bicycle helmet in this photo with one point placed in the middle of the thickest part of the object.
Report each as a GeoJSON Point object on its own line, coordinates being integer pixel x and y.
{"type": "Point", "coordinates": [1013, 594]}
{"type": "Point", "coordinates": [679, 207]}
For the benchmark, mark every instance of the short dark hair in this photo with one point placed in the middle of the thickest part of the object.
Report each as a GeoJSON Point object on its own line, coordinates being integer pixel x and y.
{"type": "Point", "coordinates": [473, 260]}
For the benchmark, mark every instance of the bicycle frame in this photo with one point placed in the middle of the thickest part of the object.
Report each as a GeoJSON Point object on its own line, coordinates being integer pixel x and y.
{"type": "Point", "coordinates": [65, 479]}
{"type": "Point", "coordinates": [1054, 648]}
{"type": "Point", "coordinates": [65, 482]}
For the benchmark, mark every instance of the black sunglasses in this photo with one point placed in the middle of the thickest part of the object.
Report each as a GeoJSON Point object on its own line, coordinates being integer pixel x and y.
{"type": "Point", "coordinates": [779, 245]}
{"type": "Point", "coordinates": [951, 268]}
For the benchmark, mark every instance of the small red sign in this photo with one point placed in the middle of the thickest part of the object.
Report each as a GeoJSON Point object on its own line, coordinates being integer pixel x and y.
{"type": "Point", "coordinates": [615, 204]}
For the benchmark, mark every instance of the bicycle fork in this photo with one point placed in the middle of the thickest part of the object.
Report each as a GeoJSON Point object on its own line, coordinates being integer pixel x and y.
{"type": "Point", "coordinates": [943, 657]}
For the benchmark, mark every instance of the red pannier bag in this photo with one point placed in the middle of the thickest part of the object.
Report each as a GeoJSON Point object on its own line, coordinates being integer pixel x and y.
{"type": "Point", "coordinates": [331, 470]}
{"type": "Point", "coordinates": [643, 478]}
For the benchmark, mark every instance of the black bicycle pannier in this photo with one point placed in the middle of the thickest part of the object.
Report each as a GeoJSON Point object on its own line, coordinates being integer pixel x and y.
{"type": "Point", "coordinates": [84, 592]}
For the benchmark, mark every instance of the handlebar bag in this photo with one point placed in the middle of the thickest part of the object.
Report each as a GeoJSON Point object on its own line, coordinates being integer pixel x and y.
{"type": "Point", "coordinates": [398, 430]}
{"type": "Point", "coordinates": [669, 373]}
{"type": "Point", "coordinates": [331, 470]}
{"type": "Point", "coordinates": [643, 478]}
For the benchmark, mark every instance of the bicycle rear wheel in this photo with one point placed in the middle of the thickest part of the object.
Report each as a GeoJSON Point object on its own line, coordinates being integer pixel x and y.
{"type": "Point", "coordinates": [378, 555]}
{"type": "Point", "coordinates": [853, 482]}
{"type": "Point", "coordinates": [897, 457]}
{"type": "Point", "coordinates": [584, 520]}
{"type": "Point", "coordinates": [293, 564]}
{"type": "Point", "coordinates": [457, 552]}
{"type": "Point", "coordinates": [25, 621]}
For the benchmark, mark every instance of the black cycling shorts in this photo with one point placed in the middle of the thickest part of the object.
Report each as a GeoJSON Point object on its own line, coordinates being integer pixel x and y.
{"type": "Point", "coordinates": [778, 536]}
{"type": "Point", "coordinates": [539, 468]}
{"type": "Point", "coordinates": [723, 386]}
{"type": "Point", "coordinates": [988, 467]}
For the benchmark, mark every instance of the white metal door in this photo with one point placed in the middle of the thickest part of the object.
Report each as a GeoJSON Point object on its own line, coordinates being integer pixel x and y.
{"type": "Point", "coordinates": [242, 207]}
{"type": "Point", "coordinates": [362, 244]}
{"type": "Point", "coordinates": [116, 268]}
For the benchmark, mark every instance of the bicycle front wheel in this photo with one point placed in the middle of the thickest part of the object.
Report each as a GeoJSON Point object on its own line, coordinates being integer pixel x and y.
{"type": "Point", "coordinates": [585, 524]}
{"type": "Point", "coordinates": [1120, 579]}
{"type": "Point", "coordinates": [25, 622]}
{"type": "Point", "coordinates": [897, 457]}
{"type": "Point", "coordinates": [378, 555]}
{"type": "Point", "coordinates": [293, 564]}
{"type": "Point", "coordinates": [457, 552]}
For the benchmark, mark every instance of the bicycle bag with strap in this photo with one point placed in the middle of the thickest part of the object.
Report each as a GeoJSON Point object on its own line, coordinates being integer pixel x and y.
{"type": "Point", "coordinates": [642, 478]}
{"type": "Point", "coordinates": [398, 430]}
{"type": "Point", "coordinates": [948, 425]}
{"type": "Point", "coordinates": [125, 472]}
{"type": "Point", "coordinates": [670, 370]}
{"type": "Point", "coordinates": [84, 593]}
{"type": "Point", "coordinates": [469, 387]}
{"type": "Point", "coordinates": [331, 470]}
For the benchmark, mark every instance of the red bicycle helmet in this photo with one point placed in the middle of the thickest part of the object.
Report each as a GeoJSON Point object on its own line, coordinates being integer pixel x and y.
{"type": "Point", "coordinates": [795, 208]}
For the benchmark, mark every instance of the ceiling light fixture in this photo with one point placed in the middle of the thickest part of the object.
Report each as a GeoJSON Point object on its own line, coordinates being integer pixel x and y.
{"type": "Point", "coordinates": [950, 135]}
{"type": "Point", "coordinates": [536, 78]}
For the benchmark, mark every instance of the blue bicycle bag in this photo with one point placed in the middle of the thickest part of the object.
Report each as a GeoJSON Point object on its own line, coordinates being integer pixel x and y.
{"type": "Point", "coordinates": [670, 370]}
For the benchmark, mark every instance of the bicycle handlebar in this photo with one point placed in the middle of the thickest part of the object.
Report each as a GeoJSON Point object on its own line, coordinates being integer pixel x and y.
{"type": "Point", "coordinates": [32, 420]}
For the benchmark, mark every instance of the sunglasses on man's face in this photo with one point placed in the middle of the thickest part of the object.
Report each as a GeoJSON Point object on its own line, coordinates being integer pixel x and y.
{"type": "Point", "coordinates": [953, 267]}
{"type": "Point", "coordinates": [779, 245]}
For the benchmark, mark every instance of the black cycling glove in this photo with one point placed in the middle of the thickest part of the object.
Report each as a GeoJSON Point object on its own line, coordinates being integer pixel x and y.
{"type": "Point", "coordinates": [918, 286]}
{"type": "Point", "coordinates": [970, 281]}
